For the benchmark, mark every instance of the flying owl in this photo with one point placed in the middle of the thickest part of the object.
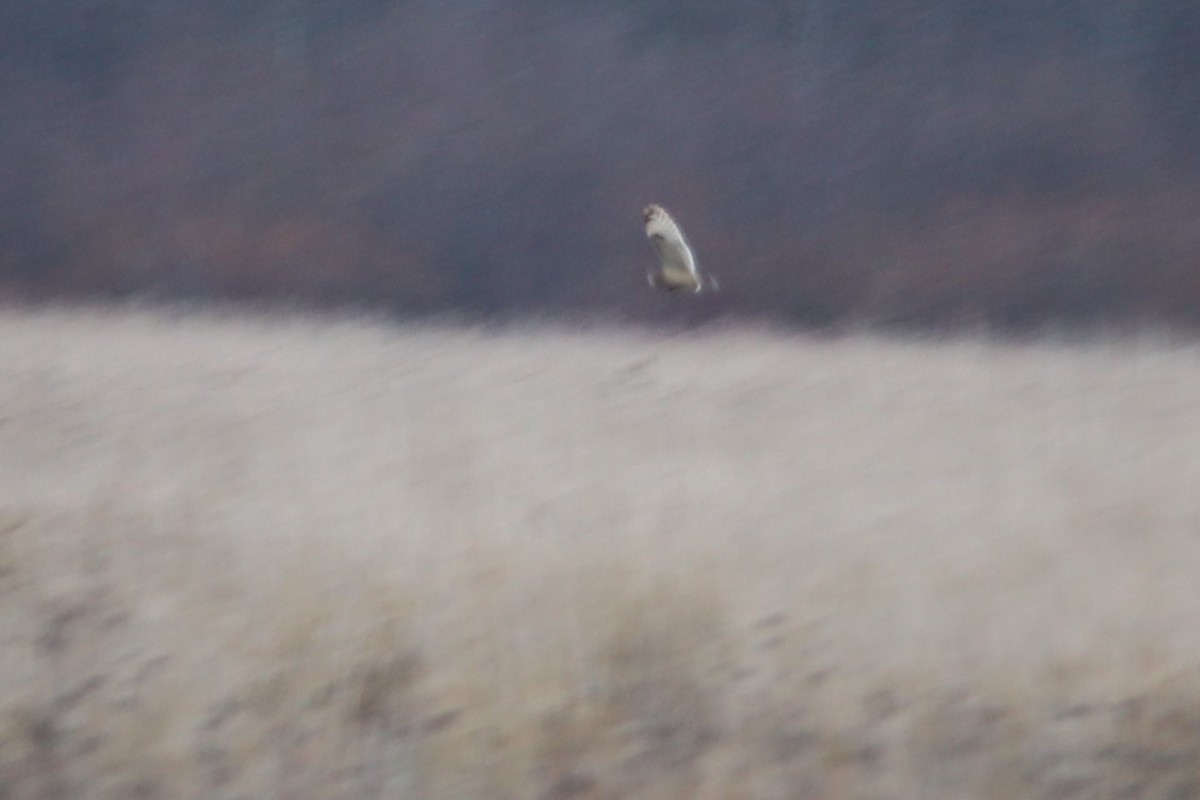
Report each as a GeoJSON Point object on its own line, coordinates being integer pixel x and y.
{"type": "Point", "coordinates": [676, 270]}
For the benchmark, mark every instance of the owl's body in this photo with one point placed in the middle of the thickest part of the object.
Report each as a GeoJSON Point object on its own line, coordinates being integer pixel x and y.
{"type": "Point", "coordinates": [676, 270]}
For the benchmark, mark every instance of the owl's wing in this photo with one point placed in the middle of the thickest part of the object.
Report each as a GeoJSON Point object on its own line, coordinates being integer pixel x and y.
{"type": "Point", "coordinates": [673, 251]}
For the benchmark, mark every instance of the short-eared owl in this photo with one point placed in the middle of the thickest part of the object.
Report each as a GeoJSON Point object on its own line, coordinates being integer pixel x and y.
{"type": "Point", "coordinates": [676, 270]}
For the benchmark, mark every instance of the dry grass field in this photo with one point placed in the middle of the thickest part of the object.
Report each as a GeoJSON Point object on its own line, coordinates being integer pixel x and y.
{"type": "Point", "coordinates": [279, 557]}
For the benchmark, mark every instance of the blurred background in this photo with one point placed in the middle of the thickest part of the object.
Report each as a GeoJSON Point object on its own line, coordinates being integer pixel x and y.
{"type": "Point", "coordinates": [1006, 163]}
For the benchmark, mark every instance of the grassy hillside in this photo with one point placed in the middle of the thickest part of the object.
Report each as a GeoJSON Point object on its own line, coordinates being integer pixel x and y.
{"type": "Point", "coordinates": [301, 559]}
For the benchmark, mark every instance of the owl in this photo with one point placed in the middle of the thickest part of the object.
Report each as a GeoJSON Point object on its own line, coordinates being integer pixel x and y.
{"type": "Point", "coordinates": [676, 270]}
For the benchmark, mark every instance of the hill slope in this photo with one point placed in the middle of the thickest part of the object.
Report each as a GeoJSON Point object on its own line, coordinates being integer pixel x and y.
{"type": "Point", "coordinates": [292, 558]}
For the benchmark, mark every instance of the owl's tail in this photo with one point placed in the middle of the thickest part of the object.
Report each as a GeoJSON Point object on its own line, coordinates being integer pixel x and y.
{"type": "Point", "coordinates": [711, 283]}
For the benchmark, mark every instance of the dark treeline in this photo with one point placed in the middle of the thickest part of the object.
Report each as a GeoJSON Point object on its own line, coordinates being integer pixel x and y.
{"type": "Point", "coordinates": [898, 162]}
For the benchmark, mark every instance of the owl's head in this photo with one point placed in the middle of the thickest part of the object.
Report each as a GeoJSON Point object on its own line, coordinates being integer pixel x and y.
{"type": "Point", "coordinates": [653, 212]}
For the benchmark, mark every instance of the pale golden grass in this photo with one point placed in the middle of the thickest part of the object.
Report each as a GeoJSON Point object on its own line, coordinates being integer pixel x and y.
{"type": "Point", "coordinates": [304, 559]}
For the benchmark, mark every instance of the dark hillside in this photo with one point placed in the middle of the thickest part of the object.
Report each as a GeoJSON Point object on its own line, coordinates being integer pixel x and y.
{"type": "Point", "coordinates": [919, 162]}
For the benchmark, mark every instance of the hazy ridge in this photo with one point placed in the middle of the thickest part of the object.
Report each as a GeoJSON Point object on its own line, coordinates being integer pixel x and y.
{"type": "Point", "coordinates": [1015, 164]}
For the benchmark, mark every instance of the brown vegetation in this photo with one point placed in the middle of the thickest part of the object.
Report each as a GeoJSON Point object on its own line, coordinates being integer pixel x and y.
{"type": "Point", "coordinates": [299, 559]}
